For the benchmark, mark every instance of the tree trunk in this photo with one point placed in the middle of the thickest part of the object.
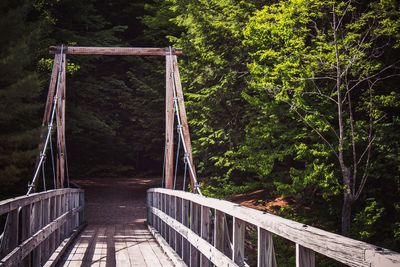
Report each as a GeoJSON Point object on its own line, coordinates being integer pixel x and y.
{"type": "Point", "coordinates": [346, 212]}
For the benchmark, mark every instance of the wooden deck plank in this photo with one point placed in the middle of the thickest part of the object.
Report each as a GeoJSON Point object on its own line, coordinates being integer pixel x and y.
{"type": "Point", "coordinates": [116, 234]}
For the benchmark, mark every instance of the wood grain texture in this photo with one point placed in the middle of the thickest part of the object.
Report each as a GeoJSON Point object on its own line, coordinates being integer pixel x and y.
{"type": "Point", "coordinates": [184, 121]}
{"type": "Point", "coordinates": [265, 249]}
{"type": "Point", "coordinates": [239, 227]}
{"type": "Point", "coordinates": [213, 254]}
{"type": "Point", "coordinates": [115, 51]}
{"type": "Point", "coordinates": [342, 249]}
{"type": "Point", "coordinates": [169, 126]}
{"type": "Point", "coordinates": [304, 257]}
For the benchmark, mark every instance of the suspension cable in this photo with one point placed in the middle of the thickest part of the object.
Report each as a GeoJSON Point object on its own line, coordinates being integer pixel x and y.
{"type": "Point", "coordinates": [163, 167]}
{"type": "Point", "coordinates": [52, 162]}
{"type": "Point", "coordinates": [178, 148]}
{"type": "Point", "coordinates": [66, 162]}
{"type": "Point", "coordinates": [191, 169]}
{"type": "Point", "coordinates": [185, 172]}
{"type": "Point", "coordinates": [50, 127]}
{"type": "Point", "coordinates": [44, 174]}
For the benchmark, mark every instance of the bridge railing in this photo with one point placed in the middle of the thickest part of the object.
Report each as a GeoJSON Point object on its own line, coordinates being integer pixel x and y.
{"type": "Point", "coordinates": [37, 224]}
{"type": "Point", "coordinates": [199, 229]}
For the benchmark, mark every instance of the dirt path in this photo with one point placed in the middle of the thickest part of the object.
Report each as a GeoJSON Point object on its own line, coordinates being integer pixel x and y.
{"type": "Point", "coordinates": [116, 200]}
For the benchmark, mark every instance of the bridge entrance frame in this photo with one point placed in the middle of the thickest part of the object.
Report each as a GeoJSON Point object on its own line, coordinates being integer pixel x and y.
{"type": "Point", "coordinates": [174, 102]}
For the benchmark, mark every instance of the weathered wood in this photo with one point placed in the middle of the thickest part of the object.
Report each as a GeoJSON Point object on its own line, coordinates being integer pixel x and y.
{"type": "Point", "coordinates": [14, 203]}
{"type": "Point", "coordinates": [57, 254]}
{"type": "Point", "coordinates": [304, 257]}
{"type": "Point", "coordinates": [342, 249]}
{"type": "Point", "coordinates": [60, 119]}
{"type": "Point", "coordinates": [11, 233]}
{"type": "Point", "coordinates": [115, 51]}
{"type": "Point", "coordinates": [195, 227]}
{"type": "Point", "coordinates": [171, 212]}
{"type": "Point", "coordinates": [184, 121]}
{"type": "Point", "coordinates": [265, 249]}
{"type": "Point", "coordinates": [239, 227]}
{"type": "Point", "coordinates": [177, 261]}
{"type": "Point", "coordinates": [26, 247]}
{"type": "Point", "coordinates": [52, 89]}
{"type": "Point", "coordinates": [185, 222]}
{"type": "Point", "coordinates": [206, 233]}
{"type": "Point", "coordinates": [178, 216]}
{"type": "Point", "coordinates": [213, 254]}
{"type": "Point", "coordinates": [169, 127]}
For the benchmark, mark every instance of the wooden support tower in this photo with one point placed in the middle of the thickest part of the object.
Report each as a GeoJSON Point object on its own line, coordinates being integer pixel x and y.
{"type": "Point", "coordinates": [173, 87]}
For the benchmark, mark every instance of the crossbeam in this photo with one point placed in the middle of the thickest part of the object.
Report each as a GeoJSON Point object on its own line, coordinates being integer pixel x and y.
{"type": "Point", "coordinates": [115, 51]}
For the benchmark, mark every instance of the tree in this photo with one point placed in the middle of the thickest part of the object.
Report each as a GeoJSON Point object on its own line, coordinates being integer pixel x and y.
{"type": "Point", "coordinates": [326, 61]}
{"type": "Point", "coordinates": [20, 89]}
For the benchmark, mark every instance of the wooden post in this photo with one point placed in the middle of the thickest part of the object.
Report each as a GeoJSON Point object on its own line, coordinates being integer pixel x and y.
{"type": "Point", "coordinates": [195, 227]}
{"type": "Point", "coordinates": [221, 234]}
{"type": "Point", "coordinates": [304, 257]}
{"type": "Point", "coordinates": [205, 232]}
{"type": "Point", "coordinates": [60, 118]}
{"type": "Point", "coordinates": [185, 222]}
{"type": "Point", "coordinates": [238, 241]}
{"type": "Point", "coordinates": [183, 116]}
{"type": "Point", "coordinates": [169, 127]}
{"type": "Point", "coordinates": [265, 251]}
{"type": "Point", "coordinates": [171, 213]}
{"type": "Point", "coordinates": [11, 233]}
{"type": "Point", "coordinates": [178, 217]}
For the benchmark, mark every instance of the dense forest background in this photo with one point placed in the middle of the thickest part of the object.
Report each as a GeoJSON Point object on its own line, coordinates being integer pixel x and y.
{"type": "Point", "coordinates": [299, 100]}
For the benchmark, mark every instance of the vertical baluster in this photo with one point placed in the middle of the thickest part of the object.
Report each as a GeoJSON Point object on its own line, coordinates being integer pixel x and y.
{"type": "Point", "coordinates": [171, 213]}
{"type": "Point", "coordinates": [205, 232]}
{"type": "Point", "coordinates": [178, 217]}
{"type": "Point", "coordinates": [11, 233]}
{"type": "Point", "coordinates": [185, 222]}
{"type": "Point", "coordinates": [238, 241]}
{"type": "Point", "coordinates": [37, 225]}
{"type": "Point", "coordinates": [52, 213]}
{"type": "Point", "coordinates": [304, 257]}
{"type": "Point", "coordinates": [195, 227]}
{"type": "Point", "coordinates": [265, 251]}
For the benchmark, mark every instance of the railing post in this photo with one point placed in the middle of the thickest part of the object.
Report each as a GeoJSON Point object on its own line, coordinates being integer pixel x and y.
{"type": "Point", "coordinates": [304, 257]}
{"type": "Point", "coordinates": [185, 222]}
{"type": "Point", "coordinates": [11, 233]}
{"type": "Point", "coordinates": [238, 241]}
{"type": "Point", "coordinates": [178, 217]}
{"type": "Point", "coordinates": [205, 232]}
{"type": "Point", "coordinates": [149, 206]}
{"type": "Point", "coordinates": [265, 251]}
{"type": "Point", "coordinates": [195, 227]}
{"type": "Point", "coordinates": [37, 225]}
{"type": "Point", "coordinates": [171, 213]}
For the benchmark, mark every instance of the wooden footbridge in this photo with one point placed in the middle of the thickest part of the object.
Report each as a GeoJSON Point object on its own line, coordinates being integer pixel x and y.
{"type": "Point", "coordinates": [103, 222]}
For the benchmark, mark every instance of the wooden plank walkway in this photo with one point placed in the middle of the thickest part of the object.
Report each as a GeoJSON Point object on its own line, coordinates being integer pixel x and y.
{"type": "Point", "coordinates": [116, 234]}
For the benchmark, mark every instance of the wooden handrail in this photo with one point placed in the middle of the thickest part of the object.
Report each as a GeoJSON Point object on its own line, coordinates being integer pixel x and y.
{"type": "Point", "coordinates": [37, 224]}
{"type": "Point", "coordinates": [309, 240]}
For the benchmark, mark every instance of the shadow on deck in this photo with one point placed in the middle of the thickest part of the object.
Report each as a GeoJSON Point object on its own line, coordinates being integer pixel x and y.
{"type": "Point", "coordinates": [116, 234]}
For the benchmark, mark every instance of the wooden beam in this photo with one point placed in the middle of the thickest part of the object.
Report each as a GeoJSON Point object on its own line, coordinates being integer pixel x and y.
{"type": "Point", "coordinates": [348, 251]}
{"type": "Point", "coordinates": [205, 248]}
{"type": "Point", "coordinates": [115, 51]}
{"type": "Point", "coordinates": [184, 121]}
{"type": "Point", "coordinates": [60, 118]}
{"type": "Point", "coordinates": [169, 127]}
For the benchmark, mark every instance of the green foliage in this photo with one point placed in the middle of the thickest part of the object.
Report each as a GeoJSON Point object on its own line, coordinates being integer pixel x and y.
{"type": "Point", "coordinates": [20, 89]}
{"type": "Point", "coordinates": [365, 220]}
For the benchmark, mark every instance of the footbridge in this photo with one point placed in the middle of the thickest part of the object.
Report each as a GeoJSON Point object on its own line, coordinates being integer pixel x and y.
{"type": "Point", "coordinates": [149, 222]}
